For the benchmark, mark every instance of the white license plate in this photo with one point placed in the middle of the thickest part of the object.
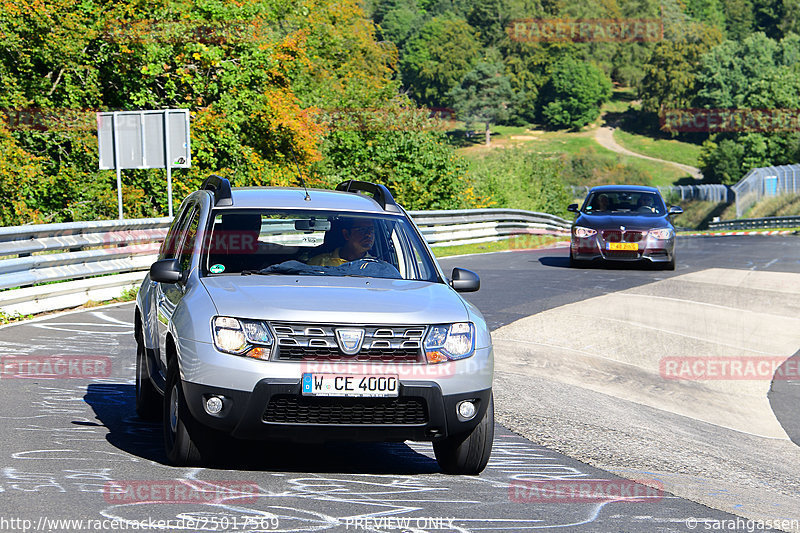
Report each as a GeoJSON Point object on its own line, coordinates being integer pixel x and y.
{"type": "Point", "coordinates": [350, 385]}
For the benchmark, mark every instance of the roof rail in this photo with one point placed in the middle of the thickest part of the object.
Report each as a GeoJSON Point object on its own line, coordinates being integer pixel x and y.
{"type": "Point", "coordinates": [221, 188]}
{"type": "Point", "coordinates": [377, 191]}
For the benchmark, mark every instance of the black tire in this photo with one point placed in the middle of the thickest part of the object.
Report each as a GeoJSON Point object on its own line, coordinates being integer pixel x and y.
{"type": "Point", "coordinates": [670, 265]}
{"type": "Point", "coordinates": [184, 442]}
{"type": "Point", "coordinates": [149, 403]}
{"type": "Point", "coordinates": [468, 454]}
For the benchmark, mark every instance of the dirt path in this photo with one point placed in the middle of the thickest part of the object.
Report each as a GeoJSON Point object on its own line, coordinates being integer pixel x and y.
{"type": "Point", "coordinates": [605, 138]}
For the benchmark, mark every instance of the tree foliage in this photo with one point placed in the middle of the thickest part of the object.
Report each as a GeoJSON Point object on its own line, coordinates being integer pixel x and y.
{"type": "Point", "coordinates": [437, 59]}
{"type": "Point", "coordinates": [573, 94]}
{"type": "Point", "coordinates": [483, 96]}
{"type": "Point", "coordinates": [259, 77]}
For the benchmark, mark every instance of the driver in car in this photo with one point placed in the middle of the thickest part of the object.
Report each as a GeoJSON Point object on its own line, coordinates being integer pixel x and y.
{"type": "Point", "coordinates": [646, 203]}
{"type": "Point", "coordinates": [359, 236]}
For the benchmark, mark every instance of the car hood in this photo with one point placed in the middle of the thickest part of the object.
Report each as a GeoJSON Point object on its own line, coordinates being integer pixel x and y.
{"type": "Point", "coordinates": [335, 299]}
{"type": "Point", "coordinates": [630, 222]}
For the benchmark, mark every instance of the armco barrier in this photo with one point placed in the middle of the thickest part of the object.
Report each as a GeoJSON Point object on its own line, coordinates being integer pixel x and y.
{"type": "Point", "coordinates": [755, 223]}
{"type": "Point", "coordinates": [101, 257]}
{"type": "Point", "coordinates": [97, 260]}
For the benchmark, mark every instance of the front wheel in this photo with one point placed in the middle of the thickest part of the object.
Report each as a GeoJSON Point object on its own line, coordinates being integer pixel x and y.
{"type": "Point", "coordinates": [468, 455]}
{"type": "Point", "coordinates": [184, 439]}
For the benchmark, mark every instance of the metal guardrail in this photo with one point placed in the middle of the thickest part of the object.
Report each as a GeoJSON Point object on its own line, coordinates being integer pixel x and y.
{"type": "Point", "coordinates": [756, 223]}
{"type": "Point", "coordinates": [33, 257]}
{"type": "Point", "coordinates": [467, 226]}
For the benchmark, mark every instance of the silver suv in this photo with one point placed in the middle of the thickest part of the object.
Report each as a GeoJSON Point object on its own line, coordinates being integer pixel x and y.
{"type": "Point", "coordinates": [286, 314]}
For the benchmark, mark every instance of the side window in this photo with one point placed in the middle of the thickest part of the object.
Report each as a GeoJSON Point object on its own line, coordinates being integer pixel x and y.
{"type": "Point", "coordinates": [169, 246]}
{"type": "Point", "coordinates": [187, 244]}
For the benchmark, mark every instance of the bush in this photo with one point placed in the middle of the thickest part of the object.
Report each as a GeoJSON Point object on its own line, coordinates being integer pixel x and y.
{"type": "Point", "coordinates": [522, 180]}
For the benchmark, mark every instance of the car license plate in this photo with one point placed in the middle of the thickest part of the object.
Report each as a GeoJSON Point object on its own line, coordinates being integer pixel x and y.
{"type": "Point", "coordinates": [630, 246]}
{"type": "Point", "coordinates": [350, 385]}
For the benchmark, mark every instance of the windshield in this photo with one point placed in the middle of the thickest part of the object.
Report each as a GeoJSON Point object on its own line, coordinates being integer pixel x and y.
{"type": "Point", "coordinates": [624, 203]}
{"type": "Point", "coordinates": [318, 243]}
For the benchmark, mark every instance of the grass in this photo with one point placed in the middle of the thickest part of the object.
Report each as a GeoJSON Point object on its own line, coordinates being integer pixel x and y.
{"type": "Point", "coordinates": [697, 215]}
{"type": "Point", "coordinates": [668, 149]}
{"type": "Point", "coordinates": [516, 243]}
{"type": "Point", "coordinates": [778, 206]}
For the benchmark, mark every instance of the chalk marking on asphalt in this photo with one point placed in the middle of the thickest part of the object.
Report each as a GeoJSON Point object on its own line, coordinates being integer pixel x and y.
{"type": "Point", "coordinates": [103, 316]}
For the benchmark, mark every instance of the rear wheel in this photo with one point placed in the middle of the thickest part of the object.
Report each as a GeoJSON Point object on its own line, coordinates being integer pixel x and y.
{"type": "Point", "coordinates": [468, 454]}
{"type": "Point", "coordinates": [185, 440]}
{"type": "Point", "coordinates": [148, 400]}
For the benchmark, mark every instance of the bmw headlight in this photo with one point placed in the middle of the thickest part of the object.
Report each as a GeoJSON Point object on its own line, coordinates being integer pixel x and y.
{"type": "Point", "coordinates": [450, 342]}
{"type": "Point", "coordinates": [250, 338]}
{"type": "Point", "coordinates": [582, 233]}
{"type": "Point", "coordinates": [662, 233]}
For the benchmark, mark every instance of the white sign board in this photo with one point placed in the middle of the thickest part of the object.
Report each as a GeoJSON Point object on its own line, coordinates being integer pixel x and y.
{"type": "Point", "coordinates": [144, 139]}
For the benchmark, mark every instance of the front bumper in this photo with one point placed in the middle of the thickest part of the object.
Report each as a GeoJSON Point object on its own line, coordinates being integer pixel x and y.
{"type": "Point", "coordinates": [276, 410]}
{"type": "Point", "coordinates": [648, 249]}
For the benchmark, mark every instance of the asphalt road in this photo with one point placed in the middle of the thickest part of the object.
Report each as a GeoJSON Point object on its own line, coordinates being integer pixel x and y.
{"type": "Point", "coordinates": [74, 448]}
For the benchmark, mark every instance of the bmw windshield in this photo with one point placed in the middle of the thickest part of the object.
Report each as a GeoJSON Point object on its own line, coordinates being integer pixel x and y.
{"type": "Point", "coordinates": [625, 203]}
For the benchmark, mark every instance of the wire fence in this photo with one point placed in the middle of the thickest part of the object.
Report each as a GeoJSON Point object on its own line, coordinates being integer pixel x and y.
{"type": "Point", "coordinates": [765, 181]}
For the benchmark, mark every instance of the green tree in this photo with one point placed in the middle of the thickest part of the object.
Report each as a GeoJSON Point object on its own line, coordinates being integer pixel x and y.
{"type": "Point", "coordinates": [484, 95]}
{"type": "Point", "coordinates": [436, 59]}
{"type": "Point", "coordinates": [669, 76]}
{"type": "Point", "coordinates": [574, 93]}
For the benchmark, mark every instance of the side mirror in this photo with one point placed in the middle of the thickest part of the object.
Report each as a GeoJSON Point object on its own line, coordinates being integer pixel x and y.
{"type": "Point", "coordinates": [572, 208]}
{"type": "Point", "coordinates": [675, 210]}
{"type": "Point", "coordinates": [463, 280]}
{"type": "Point", "coordinates": [166, 271]}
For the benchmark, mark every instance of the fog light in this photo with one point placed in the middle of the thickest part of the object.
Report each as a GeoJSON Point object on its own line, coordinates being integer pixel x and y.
{"type": "Point", "coordinates": [213, 405]}
{"type": "Point", "coordinates": [466, 409]}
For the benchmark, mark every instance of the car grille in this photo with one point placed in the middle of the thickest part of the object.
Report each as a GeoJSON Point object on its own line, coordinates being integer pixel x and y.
{"type": "Point", "coordinates": [317, 342]}
{"type": "Point", "coordinates": [291, 409]}
{"type": "Point", "coordinates": [616, 235]}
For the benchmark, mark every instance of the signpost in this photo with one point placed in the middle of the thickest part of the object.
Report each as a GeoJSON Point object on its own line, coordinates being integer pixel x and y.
{"type": "Point", "coordinates": [144, 139]}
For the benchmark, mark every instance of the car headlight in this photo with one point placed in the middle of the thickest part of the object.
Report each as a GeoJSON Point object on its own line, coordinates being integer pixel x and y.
{"type": "Point", "coordinates": [663, 233]}
{"type": "Point", "coordinates": [250, 338]}
{"type": "Point", "coordinates": [450, 342]}
{"type": "Point", "coordinates": [582, 233]}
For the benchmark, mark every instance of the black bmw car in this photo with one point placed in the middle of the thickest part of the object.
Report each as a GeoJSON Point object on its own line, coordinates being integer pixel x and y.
{"type": "Point", "coordinates": [623, 223]}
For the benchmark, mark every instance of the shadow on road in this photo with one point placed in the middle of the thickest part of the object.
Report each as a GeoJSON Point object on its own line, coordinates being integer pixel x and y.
{"type": "Point", "coordinates": [114, 407]}
{"type": "Point", "coordinates": [563, 262]}
{"type": "Point", "coordinates": [784, 396]}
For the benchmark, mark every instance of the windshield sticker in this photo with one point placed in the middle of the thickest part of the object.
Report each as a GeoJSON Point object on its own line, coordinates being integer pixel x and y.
{"type": "Point", "coordinates": [217, 269]}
